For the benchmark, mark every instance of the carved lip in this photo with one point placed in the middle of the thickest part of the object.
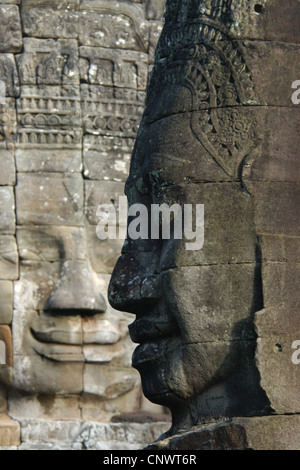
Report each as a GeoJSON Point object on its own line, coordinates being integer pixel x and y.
{"type": "Point", "coordinates": [154, 351]}
{"type": "Point", "coordinates": [95, 341]}
{"type": "Point", "coordinates": [152, 327]}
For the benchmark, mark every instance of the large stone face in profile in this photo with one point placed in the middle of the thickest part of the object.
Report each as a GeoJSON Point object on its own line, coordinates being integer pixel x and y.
{"type": "Point", "coordinates": [73, 78]}
{"type": "Point", "coordinates": [217, 328]}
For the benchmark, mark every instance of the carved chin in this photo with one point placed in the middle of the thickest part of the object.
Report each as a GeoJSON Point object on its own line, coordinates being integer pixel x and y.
{"type": "Point", "coordinates": [185, 371]}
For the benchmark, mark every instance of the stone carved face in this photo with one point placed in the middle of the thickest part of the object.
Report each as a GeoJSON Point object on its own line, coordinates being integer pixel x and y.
{"type": "Point", "coordinates": [203, 139]}
{"type": "Point", "coordinates": [63, 330]}
{"type": "Point", "coordinates": [194, 309]}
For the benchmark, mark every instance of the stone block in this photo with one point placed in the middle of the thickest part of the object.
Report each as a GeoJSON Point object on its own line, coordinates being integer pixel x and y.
{"type": "Point", "coordinates": [8, 123]}
{"type": "Point", "coordinates": [10, 27]}
{"type": "Point", "coordinates": [31, 374]}
{"type": "Point", "coordinates": [49, 62]}
{"type": "Point", "coordinates": [111, 383]}
{"type": "Point", "coordinates": [115, 67]}
{"type": "Point", "coordinates": [49, 199]}
{"type": "Point", "coordinates": [280, 377]}
{"type": "Point", "coordinates": [216, 140]}
{"type": "Point", "coordinates": [276, 207]}
{"type": "Point", "coordinates": [155, 9]}
{"type": "Point", "coordinates": [44, 407]}
{"type": "Point", "coordinates": [101, 192]}
{"type": "Point", "coordinates": [37, 281]}
{"type": "Point", "coordinates": [101, 165]}
{"type": "Point", "coordinates": [155, 28]}
{"type": "Point", "coordinates": [103, 253]}
{"type": "Point", "coordinates": [220, 314]}
{"type": "Point", "coordinates": [9, 261]}
{"type": "Point", "coordinates": [46, 243]}
{"type": "Point", "coordinates": [63, 159]}
{"type": "Point", "coordinates": [113, 25]}
{"type": "Point", "coordinates": [3, 399]}
{"type": "Point", "coordinates": [7, 167]}
{"type": "Point", "coordinates": [7, 210]}
{"type": "Point", "coordinates": [280, 248]}
{"type": "Point", "coordinates": [6, 302]}
{"type": "Point", "coordinates": [6, 338]}
{"type": "Point", "coordinates": [111, 111]}
{"type": "Point", "coordinates": [59, 19]}
{"type": "Point", "coordinates": [86, 435]}
{"type": "Point", "coordinates": [257, 433]}
{"type": "Point", "coordinates": [9, 75]}
{"type": "Point", "coordinates": [10, 432]}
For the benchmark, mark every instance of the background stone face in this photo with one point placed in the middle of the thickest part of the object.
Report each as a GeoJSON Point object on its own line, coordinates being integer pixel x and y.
{"type": "Point", "coordinates": [73, 78]}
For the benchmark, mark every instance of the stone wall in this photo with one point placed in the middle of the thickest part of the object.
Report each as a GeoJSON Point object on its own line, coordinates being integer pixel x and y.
{"type": "Point", "coordinates": [73, 77]}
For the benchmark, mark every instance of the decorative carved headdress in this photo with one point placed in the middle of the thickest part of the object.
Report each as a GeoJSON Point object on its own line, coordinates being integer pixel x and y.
{"type": "Point", "coordinates": [197, 50]}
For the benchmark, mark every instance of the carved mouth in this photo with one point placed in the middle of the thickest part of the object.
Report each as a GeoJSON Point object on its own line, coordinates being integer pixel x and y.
{"type": "Point", "coordinates": [154, 351]}
{"type": "Point", "coordinates": [152, 327]}
{"type": "Point", "coordinates": [157, 334]}
{"type": "Point", "coordinates": [76, 340]}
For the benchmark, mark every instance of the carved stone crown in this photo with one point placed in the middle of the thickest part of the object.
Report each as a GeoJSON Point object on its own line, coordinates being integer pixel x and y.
{"type": "Point", "coordinates": [197, 51]}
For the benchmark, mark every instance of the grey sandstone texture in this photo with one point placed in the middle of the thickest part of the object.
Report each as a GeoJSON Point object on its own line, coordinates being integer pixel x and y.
{"type": "Point", "coordinates": [73, 79]}
{"type": "Point", "coordinates": [218, 329]}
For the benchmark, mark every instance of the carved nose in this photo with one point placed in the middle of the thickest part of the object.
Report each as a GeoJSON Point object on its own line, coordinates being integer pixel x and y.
{"type": "Point", "coordinates": [76, 292]}
{"type": "Point", "coordinates": [134, 283]}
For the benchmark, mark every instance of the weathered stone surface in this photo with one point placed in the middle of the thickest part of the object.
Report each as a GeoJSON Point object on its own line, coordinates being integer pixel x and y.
{"type": "Point", "coordinates": [6, 302]}
{"type": "Point", "coordinates": [155, 9]}
{"type": "Point", "coordinates": [59, 19]}
{"type": "Point", "coordinates": [277, 214]}
{"type": "Point", "coordinates": [44, 407]}
{"type": "Point", "coordinates": [217, 138]}
{"type": "Point", "coordinates": [112, 113]}
{"type": "Point", "coordinates": [229, 235]}
{"type": "Point", "coordinates": [112, 165]}
{"type": "Point", "coordinates": [5, 336]}
{"type": "Point", "coordinates": [7, 210]}
{"type": "Point", "coordinates": [76, 290]}
{"type": "Point", "coordinates": [86, 435]}
{"type": "Point", "coordinates": [245, 20]}
{"type": "Point", "coordinates": [3, 399]}
{"type": "Point", "coordinates": [100, 192]}
{"type": "Point", "coordinates": [45, 243]}
{"type": "Point", "coordinates": [63, 159]}
{"type": "Point", "coordinates": [279, 375]}
{"type": "Point", "coordinates": [257, 433]}
{"type": "Point", "coordinates": [120, 68]}
{"type": "Point", "coordinates": [9, 75]}
{"type": "Point", "coordinates": [111, 383]}
{"type": "Point", "coordinates": [8, 123]}
{"type": "Point", "coordinates": [49, 199]}
{"type": "Point", "coordinates": [7, 167]}
{"type": "Point", "coordinates": [155, 32]}
{"type": "Point", "coordinates": [49, 62]}
{"type": "Point", "coordinates": [280, 248]}
{"type": "Point", "coordinates": [114, 25]}
{"type": "Point", "coordinates": [103, 253]}
{"type": "Point", "coordinates": [37, 281]}
{"type": "Point", "coordinates": [99, 152]}
{"type": "Point", "coordinates": [10, 432]}
{"type": "Point", "coordinates": [57, 378]}
{"type": "Point", "coordinates": [11, 34]}
{"type": "Point", "coordinates": [8, 257]}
